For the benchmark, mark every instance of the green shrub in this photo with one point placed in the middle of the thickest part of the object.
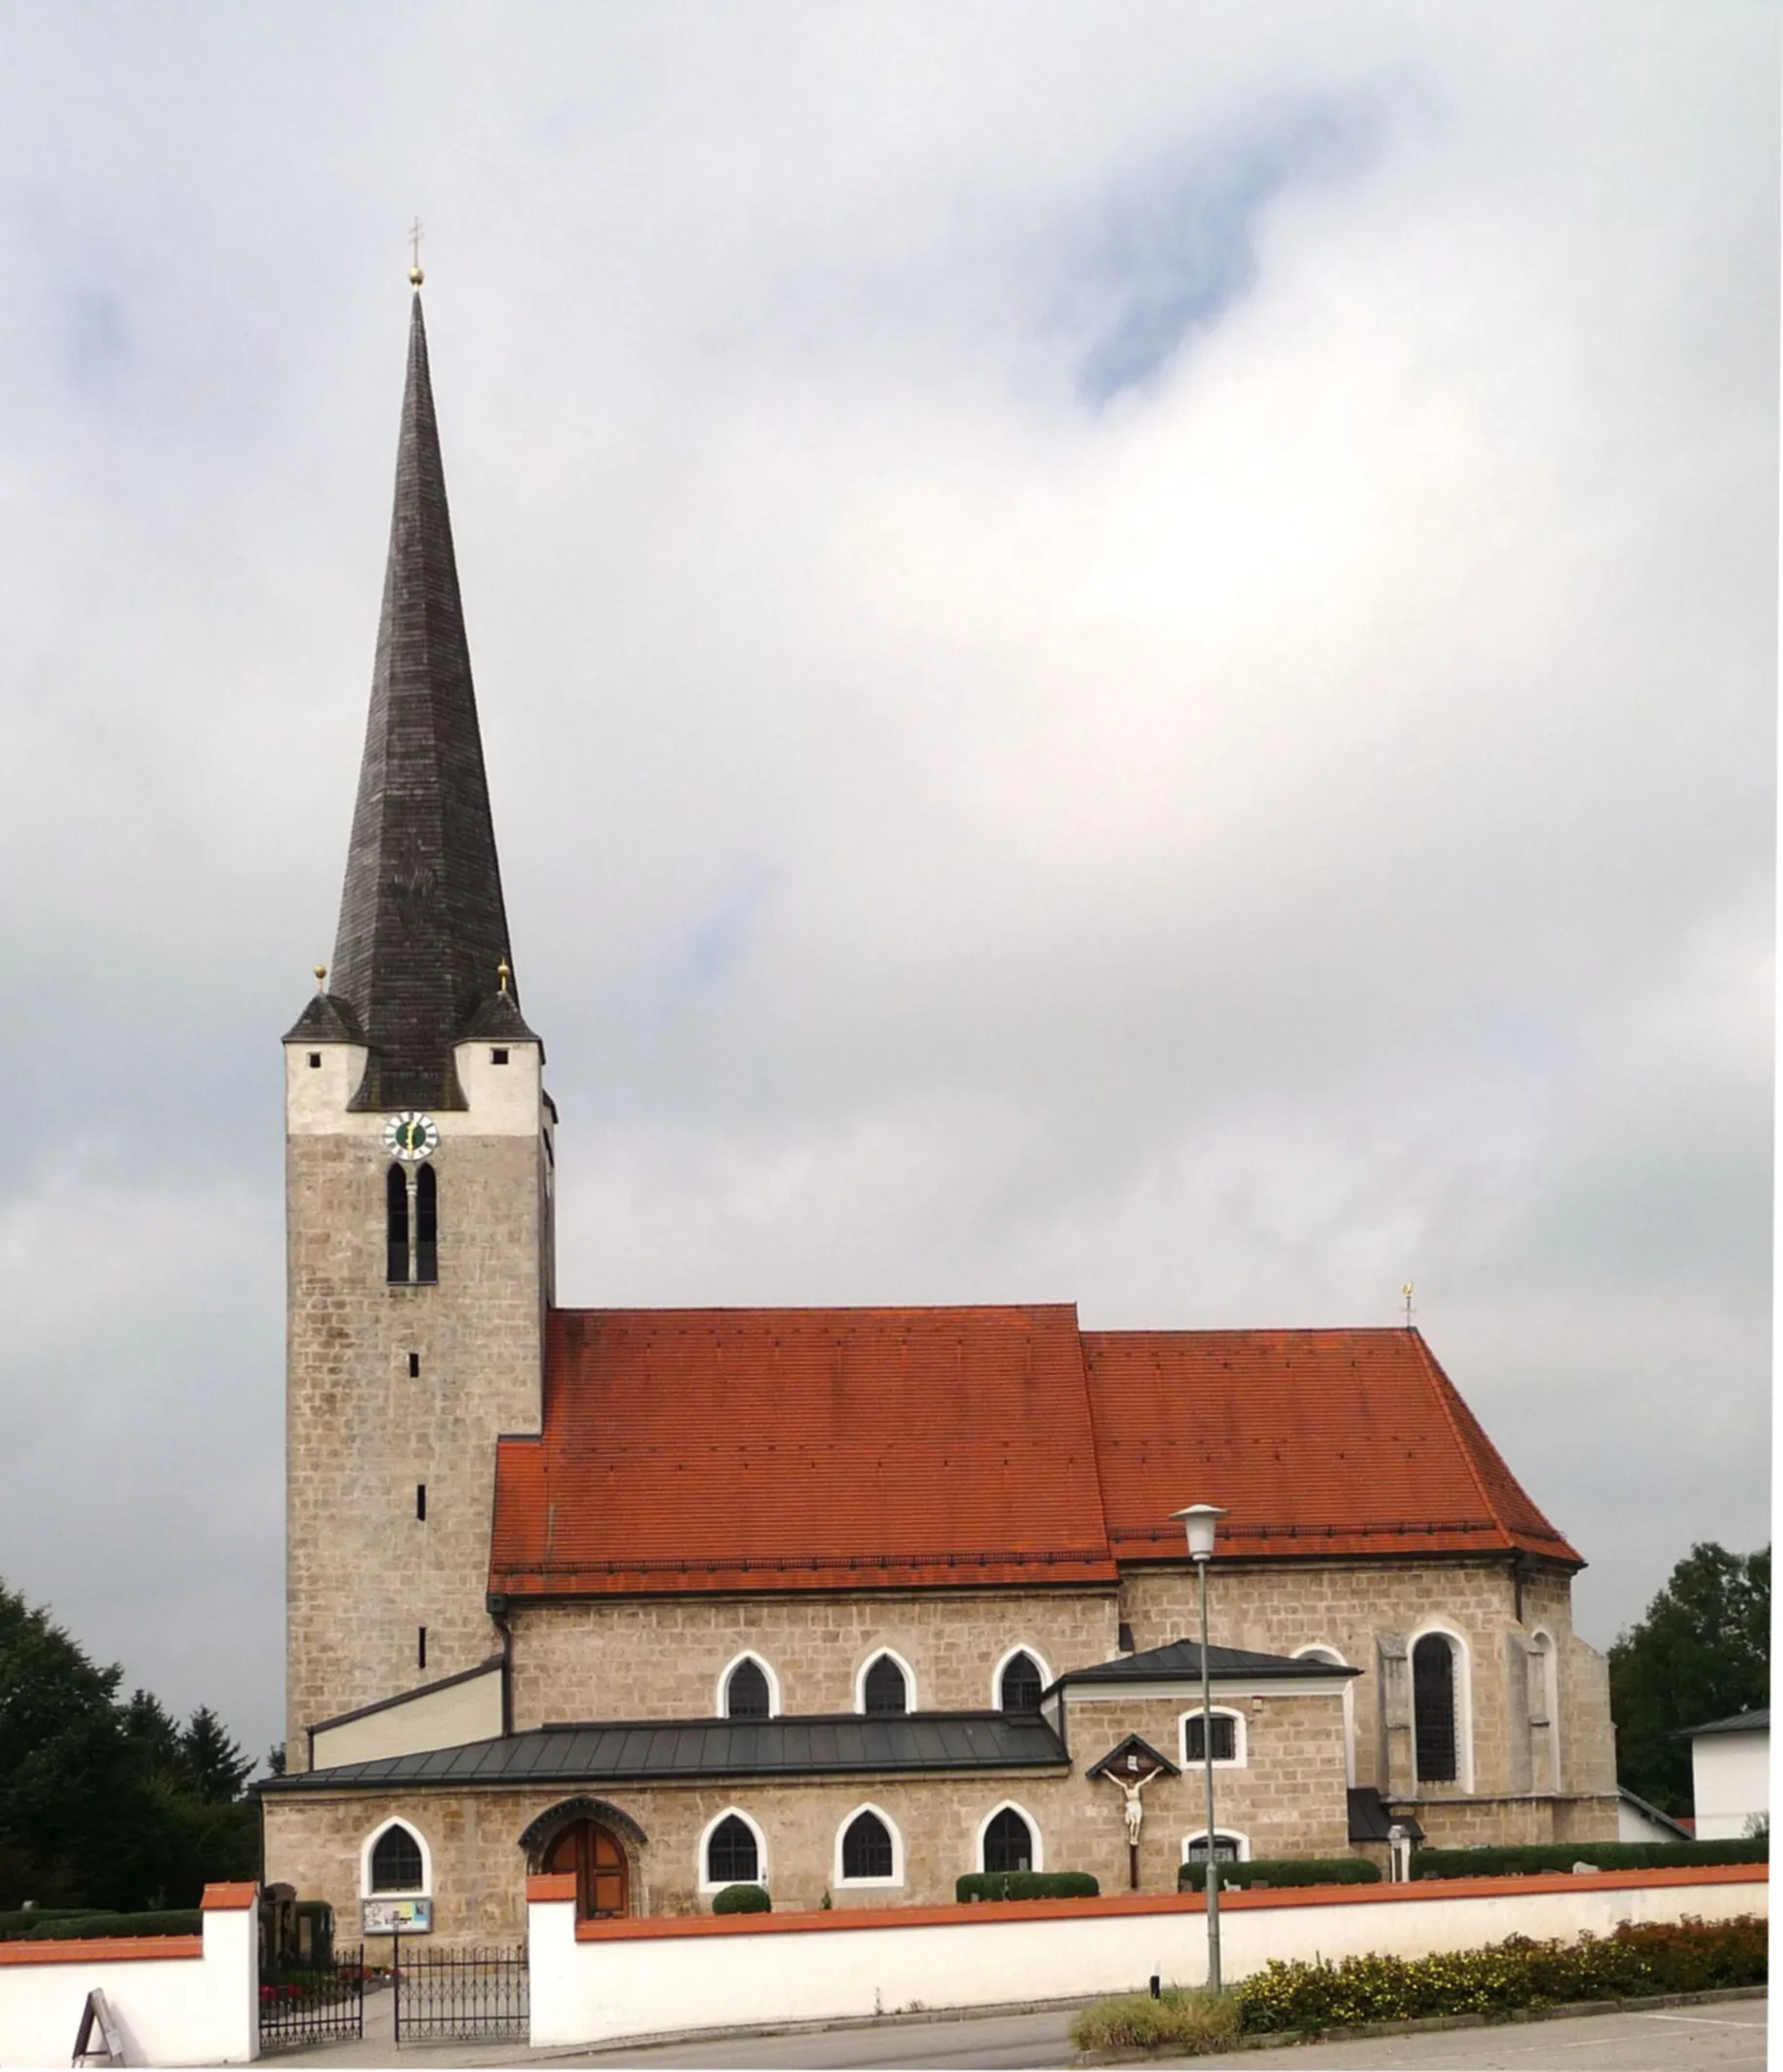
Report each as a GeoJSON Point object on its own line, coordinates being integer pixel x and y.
{"type": "Point", "coordinates": [1604, 1856]}
{"type": "Point", "coordinates": [1184, 2021]}
{"type": "Point", "coordinates": [14, 1918]}
{"type": "Point", "coordinates": [90, 1928]}
{"type": "Point", "coordinates": [1283, 1870]}
{"type": "Point", "coordinates": [1026, 1885]}
{"type": "Point", "coordinates": [743, 1900]}
{"type": "Point", "coordinates": [1659, 1957]}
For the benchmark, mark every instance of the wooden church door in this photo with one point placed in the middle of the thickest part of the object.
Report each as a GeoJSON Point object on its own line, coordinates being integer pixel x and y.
{"type": "Point", "coordinates": [603, 1880]}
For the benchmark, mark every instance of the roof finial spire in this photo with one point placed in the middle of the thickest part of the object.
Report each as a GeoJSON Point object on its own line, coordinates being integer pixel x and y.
{"type": "Point", "coordinates": [415, 274]}
{"type": "Point", "coordinates": [321, 977]}
{"type": "Point", "coordinates": [503, 973]}
{"type": "Point", "coordinates": [1404, 1292]}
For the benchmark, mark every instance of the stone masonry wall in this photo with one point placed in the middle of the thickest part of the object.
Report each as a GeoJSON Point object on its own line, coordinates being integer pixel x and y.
{"type": "Point", "coordinates": [662, 1658]}
{"type": "Point", "coordinates": [363, 1572]}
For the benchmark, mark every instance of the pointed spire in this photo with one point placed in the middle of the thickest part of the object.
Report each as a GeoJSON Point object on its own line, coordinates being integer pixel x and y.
{"type": "Point", "coordinates": [422, 926]}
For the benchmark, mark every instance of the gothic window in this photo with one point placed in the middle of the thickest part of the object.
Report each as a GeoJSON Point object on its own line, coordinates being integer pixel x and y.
{"type": "Point", "coordinates": [1225, 1737]}
{"type": "Point", "coordinates": [1009, 1843]}
{"type": "Point", "coordinates": [884, 1690]}
{"type": "Point", "coordinates": [395, 1861]}
{"type": "Point", "coordinates": [1433, 1724]}
{"type": "Point", "coordinates": [1019, 1691]}
{"type": "Point", "coordinates": [426, 1225]}
{"type": "Point", "coordinates": [731, 1855]}
{"type": "Point", "coordinates": [867, 1847]}
{"type": "Point", "coordinates": [746, 1691]}
{"type": "Point", "coordinates": [396, 1223]}
{"type": "Point", "coordinates": [1227, 1847]}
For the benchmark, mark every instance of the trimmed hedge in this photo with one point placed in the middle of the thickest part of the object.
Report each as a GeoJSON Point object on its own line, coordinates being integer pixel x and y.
{"type": "Point", "coordinates": [1657, 1957]}
{"type": "Point", "coordinates": [1283, 1870]}
{"type": "Point", "coordinates": [96, 1928]}
{"type": "Point", "coordinates": [1026, 1885]}
{"type": "Point", "coordinates": [743, 1900]}
{"type": "Point", "coordinates": [1604, 1856]}
{"type": "Point", "coordinates": [16, 1917]}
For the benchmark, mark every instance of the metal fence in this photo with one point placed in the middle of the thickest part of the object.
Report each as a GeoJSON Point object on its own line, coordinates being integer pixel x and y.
{"type": "Point", "coordinates": [312, 1999]}
{"type": "Point", "coordinates": [448, 1994]}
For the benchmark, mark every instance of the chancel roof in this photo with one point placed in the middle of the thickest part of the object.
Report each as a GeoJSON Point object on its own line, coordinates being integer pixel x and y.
{"type": "Point", "coordinates": [762, 1450]}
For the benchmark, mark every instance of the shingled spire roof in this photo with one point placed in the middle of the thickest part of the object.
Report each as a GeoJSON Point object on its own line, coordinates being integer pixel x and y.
{"type": "Point", "coordinates": [422, 926]}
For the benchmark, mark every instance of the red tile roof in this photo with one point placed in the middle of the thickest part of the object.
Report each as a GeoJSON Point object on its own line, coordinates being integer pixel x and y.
{"type": "Point", "coordinates": [803, 1449]}
{"type": "Point", "coordinates": [751, 1450]}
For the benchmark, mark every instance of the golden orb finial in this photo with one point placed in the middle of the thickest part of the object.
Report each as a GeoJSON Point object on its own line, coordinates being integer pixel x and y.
{"type": "Point", "coordinates": [415, 274]}
{"type": "Point", "coordinates": [503, 973]}
{"type": "Point", "coordinates": [321, 973]}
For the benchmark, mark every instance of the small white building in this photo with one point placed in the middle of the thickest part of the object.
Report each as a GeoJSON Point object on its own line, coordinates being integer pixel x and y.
{"type": "Point", "coordinates": [1638, 1821]}
{"type": "Point", "coordinates": [1730, 1773]}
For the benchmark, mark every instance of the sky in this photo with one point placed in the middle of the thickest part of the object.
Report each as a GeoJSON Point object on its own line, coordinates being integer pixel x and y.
{"type": "Point", "coordinates": [1127, 654]}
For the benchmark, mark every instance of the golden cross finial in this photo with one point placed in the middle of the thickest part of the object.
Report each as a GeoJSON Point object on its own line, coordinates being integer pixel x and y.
{"type": "Point", "coordinates": [321, 972]}
{"type": "Point", "coordinates": [503, 973]}
{"type": "Point", "coordinates": [415, 274]}
{"type": "Point", "coordinates": [1405, 1294]}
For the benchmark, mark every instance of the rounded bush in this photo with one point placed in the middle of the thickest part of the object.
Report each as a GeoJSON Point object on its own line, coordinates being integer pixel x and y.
{"type": "Point", "coordinates": [1026, 1885]}
{"type": "Point", "coordinates": [743, 1900]}
{"type": "Point", "coordinates": [1283, 1870]}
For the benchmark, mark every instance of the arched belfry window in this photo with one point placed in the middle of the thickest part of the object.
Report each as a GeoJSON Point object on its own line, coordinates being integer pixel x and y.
{"type": "Point", "coordinates": [396, 1223]}
{"type": "Point", "coordinates": [426, 1225]}
{"type": "Point", "coordinates": [1433, 1721]}
{"type": "Point", "coordinates": [1020, 1686]}
{"type": "Point", "coordinates": [884, 1690]}
{"type": "Point", "coordinates": [395, 1861]}
{"type": "Point", "coordinates": [746, 1691]}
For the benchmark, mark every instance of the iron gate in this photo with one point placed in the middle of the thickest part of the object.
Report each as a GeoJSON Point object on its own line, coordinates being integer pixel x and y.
{"type": "Point", "coordinates": [445, 1994]}
{"type": "Point", "coordinates": [316, 1999]}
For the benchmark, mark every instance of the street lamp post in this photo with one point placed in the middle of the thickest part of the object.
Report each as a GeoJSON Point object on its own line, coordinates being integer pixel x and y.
{"type": "Point", "coordinates": [1200, 1521]}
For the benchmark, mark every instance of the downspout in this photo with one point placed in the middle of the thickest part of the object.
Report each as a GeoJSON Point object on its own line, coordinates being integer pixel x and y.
{"type": "Point", "coordinates": [498, 1611]}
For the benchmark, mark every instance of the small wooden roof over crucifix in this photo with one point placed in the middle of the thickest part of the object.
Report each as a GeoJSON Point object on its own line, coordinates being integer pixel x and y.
{"type": "Point", "coordinates": [1133, 1757]}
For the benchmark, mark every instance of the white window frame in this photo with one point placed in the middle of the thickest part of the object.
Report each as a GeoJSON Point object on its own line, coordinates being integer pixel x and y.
{"type": "Point", "coordinates": [1323, 1651]}
{"type": "Point", "coordinates": [1239, 1759]}
{"type": "Point", "coordinates": [1229, 1834]}
{"type": "Point", "coordinates": [1462, 1664]}
{"type": "Point", "coordinates": [1543, 1642]}
{"type": "Point", "coordinates": [368, 1891]}
{"type": "Point", "coordinates": [860, 1679]}
{"type": "Point", "coordinates": [1021, 1647]}
{"type": "Point", "coordinates": [1034, 1829]}
{"type": "Point", "coordinates": [880, 1814]}
{"type": "Point", "coordinates": [709, 1884]}
{"type": "Point", "coordinates": [729, 1670]}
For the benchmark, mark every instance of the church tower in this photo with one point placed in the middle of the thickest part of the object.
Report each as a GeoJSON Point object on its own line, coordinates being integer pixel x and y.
{"type": "Point", "coordinates": [418, 1181]}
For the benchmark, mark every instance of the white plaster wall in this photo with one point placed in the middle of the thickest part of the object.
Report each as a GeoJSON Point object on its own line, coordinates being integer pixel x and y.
{"type": "Point", "coordinates": [470, 1711]}
{"type": "Point", "coordinates": [1732, 1778]}
{"type": "Point", "coordinates": [170, 2010]}
{"type": "Point", "coordinates": [632, 1986]}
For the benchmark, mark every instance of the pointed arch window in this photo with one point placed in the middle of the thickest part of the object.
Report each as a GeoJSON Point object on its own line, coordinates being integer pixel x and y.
{"type": "Point", "coordinates": [1009, 1842]}
{"type": "Point", "coordinates": [426, 1225]}
{"type": "Point", "coordinates": [395, 1861]}
{"type": "Point", "coordinates": [884, 1691]}
{"type": "Point", "coordinates": [396, 1223]}
{"type": "Point", "coordinates": [731, 1855]}
{"type": "Point", "coordinates": [1021, 1686]}
{"type": "Point", "coordinates": [746, 1691]}
{"type": "Point", "coordinates": [867, 1847]}
{"type": "Point", "coordinates": [1433, 1722]}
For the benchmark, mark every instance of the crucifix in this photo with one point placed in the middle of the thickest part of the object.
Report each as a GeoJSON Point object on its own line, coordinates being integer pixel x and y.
{"type": "Point", "coordinates": [1132, 1810]}
{"type": "Point", "coordinates": [414, 252]}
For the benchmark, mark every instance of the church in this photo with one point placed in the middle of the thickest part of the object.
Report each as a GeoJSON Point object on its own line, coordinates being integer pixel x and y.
{"type": "Point", "coordinates": [841, 1602]}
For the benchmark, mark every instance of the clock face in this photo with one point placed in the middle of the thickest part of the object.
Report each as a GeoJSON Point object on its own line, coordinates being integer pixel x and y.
{"type": "Point", "coordinates": [411, 1135]}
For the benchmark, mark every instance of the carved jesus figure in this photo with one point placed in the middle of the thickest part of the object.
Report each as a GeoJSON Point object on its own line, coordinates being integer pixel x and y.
{"type": "Point", "coordinates": [1133, 1812]}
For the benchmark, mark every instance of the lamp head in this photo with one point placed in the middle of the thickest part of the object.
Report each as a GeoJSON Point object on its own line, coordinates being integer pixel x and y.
{"type": "Point", "coordinates": [1200, 1521]}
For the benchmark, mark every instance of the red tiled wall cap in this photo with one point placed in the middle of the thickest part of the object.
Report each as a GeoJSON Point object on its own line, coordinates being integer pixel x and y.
{"type": "Point", "coordinates": [550, 1885]}
{"type": "Point", "coordinates": [225, 1898]}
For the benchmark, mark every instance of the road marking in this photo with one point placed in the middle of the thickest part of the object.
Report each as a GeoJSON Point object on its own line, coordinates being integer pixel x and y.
{"type": "Point", "coordinates": [1712, 2021]}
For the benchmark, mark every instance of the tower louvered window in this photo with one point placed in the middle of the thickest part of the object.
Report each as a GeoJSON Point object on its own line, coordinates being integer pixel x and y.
{"type": "Point", "coordinates": [1433, 1710]}
{"type": "Point", "coordinates": [426, 1225]}
{"type": "Point", "coordinates": [396, 1223]}
{"type": "Point", "coordinates": [885, 1691]}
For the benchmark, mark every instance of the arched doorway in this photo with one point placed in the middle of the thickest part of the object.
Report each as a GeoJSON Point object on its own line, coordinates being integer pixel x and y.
{"type": "Point", "coordinates": [598, 1861]}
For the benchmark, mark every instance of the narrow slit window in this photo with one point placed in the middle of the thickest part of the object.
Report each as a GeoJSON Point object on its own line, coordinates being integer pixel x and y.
{"type": "Point", "coordinates": [420, 1501]}
{"type": "Point", "coordinates": [415, 1366]}
{"type": "Point", "coordinates": [1433, 1709]}
{"type": "Point", "coordinates": [426, 1225]}
{"type": "Point", "coordinates": [396, 1223]}
{"type": "Point", "coordinates": [420, 1646]}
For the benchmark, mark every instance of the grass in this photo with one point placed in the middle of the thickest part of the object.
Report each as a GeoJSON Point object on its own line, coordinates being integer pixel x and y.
{"type": "Point", "coordinates": [1185, 2019]}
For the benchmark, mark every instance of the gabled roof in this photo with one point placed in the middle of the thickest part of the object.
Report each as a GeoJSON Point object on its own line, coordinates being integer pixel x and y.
{"type": "Point", "coordinates": [422, 923]}
{"type": "Point", "coordinates": [1757, 1722]}
{"type": "Point", "coordinates": [803, 1449]}
{"type": "Point", "coordinates": [751, 1450]}
{"type": "Point", "coordinates": [1180, 1662]}
{"type": "Point", "coordinates": [1316, 1442]}
{"type": "Point", "coordinates": [622, 1751]}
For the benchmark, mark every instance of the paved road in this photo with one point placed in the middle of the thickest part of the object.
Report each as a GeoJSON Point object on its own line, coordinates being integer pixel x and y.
{"type": "Point", "coordinates": [1725, 2037]}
